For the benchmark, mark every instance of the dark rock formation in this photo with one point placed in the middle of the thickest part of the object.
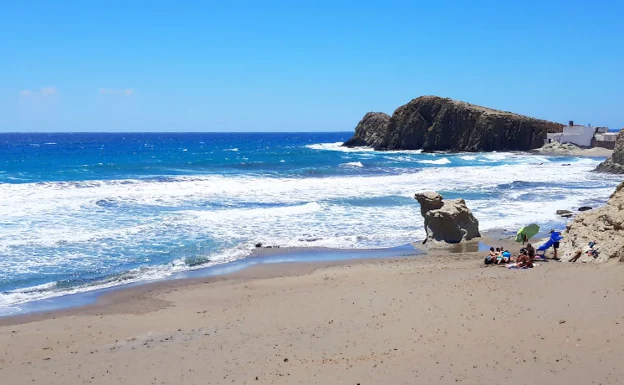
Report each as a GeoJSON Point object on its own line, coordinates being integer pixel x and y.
{"type": "Point", "coordinates": [432, 123]}
{"type": "Point", "coordinates": [446, 221]}
{"type": "Point", "coordinates": [370, 128]}
{"type": "Point", "coordinates": [615, 164]}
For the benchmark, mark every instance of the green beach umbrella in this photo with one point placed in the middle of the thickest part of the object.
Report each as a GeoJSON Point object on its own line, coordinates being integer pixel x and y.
{"type": "Point", "coordinates": [525, 233]}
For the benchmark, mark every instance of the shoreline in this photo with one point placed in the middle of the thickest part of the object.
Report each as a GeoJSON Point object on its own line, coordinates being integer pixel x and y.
{"type": "Point", "coordinates": [439, 318]}
{"type": "Point", "coordinates": [274, 256]}
{"type": "Point", "coordinates": [263, 257]}
{"type": "Point", "coordinates": [260, 264]}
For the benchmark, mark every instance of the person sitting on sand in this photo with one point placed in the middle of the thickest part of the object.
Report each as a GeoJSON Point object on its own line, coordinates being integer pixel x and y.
{"type": "Point", "coordinates": [499, 255]}
{"type": "Point", "coordinates": [524, 261]}
{"type": "Point", "coordinates": [530, 250]}
{"type": "Point", "coordinates": [491, 257]}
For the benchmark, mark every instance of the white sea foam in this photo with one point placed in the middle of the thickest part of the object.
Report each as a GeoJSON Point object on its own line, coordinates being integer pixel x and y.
{"type": "Point", "coordinates": [95, 217]}
{"type": "Point", "coordinates": [352, 164]}
{"type": "Point", "coordinates": [437, 161]}
{"type": "Point", "coordinates": [337, 146]}
{"type": "Point", "coordinates": [495, 156]}
{"type": "Point", "coordinates": [468, 157]}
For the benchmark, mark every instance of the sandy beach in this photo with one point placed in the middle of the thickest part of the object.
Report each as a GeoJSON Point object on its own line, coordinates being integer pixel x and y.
{"type": "Point", "coordinates": [441, 318]}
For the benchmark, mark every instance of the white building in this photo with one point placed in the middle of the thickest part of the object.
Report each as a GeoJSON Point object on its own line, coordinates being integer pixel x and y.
{"type": "Point", "coordinates": [581, 136]}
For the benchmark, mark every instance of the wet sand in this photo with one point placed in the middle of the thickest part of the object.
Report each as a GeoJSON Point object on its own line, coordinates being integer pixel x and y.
{"type": "Point", "coordinates": [439, 319]}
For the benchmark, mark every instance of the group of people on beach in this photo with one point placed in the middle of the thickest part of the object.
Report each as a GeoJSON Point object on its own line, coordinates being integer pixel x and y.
{"type": "Point", "coordinates": [528, 254]}
{"type": "Point", "coordinates": [501, 256]}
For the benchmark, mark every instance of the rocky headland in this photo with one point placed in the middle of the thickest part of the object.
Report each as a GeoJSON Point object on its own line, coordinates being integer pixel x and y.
{"type": "Point", "coordinates": [615, 164]}
{"type": "Point", "coordinates": [433, 123]}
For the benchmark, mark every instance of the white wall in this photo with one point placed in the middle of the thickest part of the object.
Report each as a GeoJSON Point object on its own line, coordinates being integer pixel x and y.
{"type": "Point", "coordinates": [554, 137]}
{"type": "Point", "coordinates": [580, 135]}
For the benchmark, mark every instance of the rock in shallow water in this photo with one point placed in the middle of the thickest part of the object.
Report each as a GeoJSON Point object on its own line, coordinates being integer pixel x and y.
{"type": "Point", "coordinates": [449, 221]}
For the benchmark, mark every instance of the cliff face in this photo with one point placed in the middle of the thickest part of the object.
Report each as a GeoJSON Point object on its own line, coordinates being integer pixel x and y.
{"type": "Point", "coordinates": [615, 164]}
{"type": "Point", "coordinates": [432, 123]}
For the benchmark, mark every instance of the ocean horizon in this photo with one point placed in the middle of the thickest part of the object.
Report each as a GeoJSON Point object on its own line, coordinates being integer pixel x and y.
{"type": "Point", "coordinates": [83, 211]}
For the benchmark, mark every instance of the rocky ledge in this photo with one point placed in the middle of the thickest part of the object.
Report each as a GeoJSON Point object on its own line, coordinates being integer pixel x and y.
{"type": "Point", "coordinates": [433, 123]}
{"type": "Point", "coordinates": [605, 226]}
{"type": "Point", "coordinates": [615, 164]}
{"type": "Point", "coordinates": [449, 221]}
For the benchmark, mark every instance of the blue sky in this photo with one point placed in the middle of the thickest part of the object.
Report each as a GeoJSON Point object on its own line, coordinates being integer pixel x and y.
{"type": "Point", "coordinates": [284, 66]}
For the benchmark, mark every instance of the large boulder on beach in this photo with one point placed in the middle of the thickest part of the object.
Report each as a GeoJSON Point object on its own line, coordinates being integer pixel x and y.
{"type": "Point", "coordinates": [446, 221]}
{"type": "Point", "coordinates": [604, 225]}
{"type": "Point", "coordinates": [615, 163]}
{"type": "Point", "coordinates": [432, 123]}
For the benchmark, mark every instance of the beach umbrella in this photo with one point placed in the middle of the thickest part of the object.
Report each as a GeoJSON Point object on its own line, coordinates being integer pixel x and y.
{"type": "Point", "coordinates": [525, 233]}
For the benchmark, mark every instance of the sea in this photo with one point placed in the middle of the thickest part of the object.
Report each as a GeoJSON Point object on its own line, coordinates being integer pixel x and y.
{"type": "Point", "coordinates": [85, 211]}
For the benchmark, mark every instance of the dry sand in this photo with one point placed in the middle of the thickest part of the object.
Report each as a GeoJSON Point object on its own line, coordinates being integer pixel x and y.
{"type": "Point", "coordinates": [428, 320]}
{"type": "Point", "coordinates": [592, 152]}
{"type": "Point", "coordinates": [558, 150]}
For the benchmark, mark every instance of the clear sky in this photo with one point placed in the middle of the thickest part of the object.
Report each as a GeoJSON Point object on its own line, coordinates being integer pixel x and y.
{"type": "Point", "coordinates": [289, 66]}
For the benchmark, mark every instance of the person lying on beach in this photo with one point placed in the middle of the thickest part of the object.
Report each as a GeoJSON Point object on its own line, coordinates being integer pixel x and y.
{"type": "Point", "coordinates": [505, 257]}
{"type": "Point", "coordinates": [591, 249]}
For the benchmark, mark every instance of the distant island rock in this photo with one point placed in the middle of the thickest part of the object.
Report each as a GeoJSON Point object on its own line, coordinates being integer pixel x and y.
{"type": "Point", "coordinates": [433, 123]}
{"type": "Point", "coordinates": [615, 164]}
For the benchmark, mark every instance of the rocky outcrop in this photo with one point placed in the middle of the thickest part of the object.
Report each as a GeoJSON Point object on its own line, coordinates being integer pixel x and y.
{"type": "Point", "coordinates": [370, 128]}
{"type": "Point", "coordinates": [615, 164]}
{"type": "Point", "coordinates": [432, 123]}
{"type": "Point", "coordinates": [447, 221]}
{"type": "Point", "coordinates": [556, 148]}
{"type": "Point", "coordinates": [605, 226]}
